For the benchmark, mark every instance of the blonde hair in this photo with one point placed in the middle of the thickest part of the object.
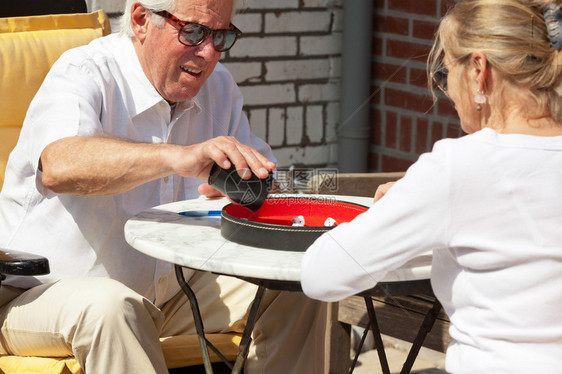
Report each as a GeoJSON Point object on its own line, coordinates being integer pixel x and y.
{"type": "Point", "coordinates": [155, 5]}
{"type": "Point", "coordinates": [512, 34]}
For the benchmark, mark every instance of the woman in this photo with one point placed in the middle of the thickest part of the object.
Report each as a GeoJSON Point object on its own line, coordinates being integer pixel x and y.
{"type": "Point", "coordinates": [489, 205]}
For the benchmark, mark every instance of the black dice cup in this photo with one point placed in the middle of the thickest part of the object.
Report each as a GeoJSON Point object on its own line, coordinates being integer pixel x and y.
{"type": "Point", "coordinates": [250, 193]}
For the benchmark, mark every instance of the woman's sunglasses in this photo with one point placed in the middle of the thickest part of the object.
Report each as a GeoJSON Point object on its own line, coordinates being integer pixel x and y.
{"type": "Point", "coordinates": [192, 34]}
{"type": "Point", "coordinates": [440, 78]}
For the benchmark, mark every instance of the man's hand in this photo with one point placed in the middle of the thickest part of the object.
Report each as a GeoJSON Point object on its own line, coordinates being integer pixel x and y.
{"type": "Point", "coordinates": [225, 150]}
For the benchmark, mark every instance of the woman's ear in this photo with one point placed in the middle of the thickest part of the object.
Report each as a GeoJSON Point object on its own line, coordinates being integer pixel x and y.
{"type": "Point", "coordinates": [140, 18]}
{"type": "Point", "coordinates": [480, 66]}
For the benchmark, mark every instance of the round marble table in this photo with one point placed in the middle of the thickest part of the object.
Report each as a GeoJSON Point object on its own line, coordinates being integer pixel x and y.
{"type": "Point", "coordinates": [196, 243]}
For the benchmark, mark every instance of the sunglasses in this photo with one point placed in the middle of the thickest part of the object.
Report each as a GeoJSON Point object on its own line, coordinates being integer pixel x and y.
{"type": "Point", "coordinates": [192, 34]}
{"type": "Point", "coordinates": [440, 78]}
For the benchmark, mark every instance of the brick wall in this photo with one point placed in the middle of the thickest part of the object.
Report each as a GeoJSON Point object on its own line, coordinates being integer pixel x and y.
{"type": "Point", "coordinates": [288, 66]}
{"type": "Point", "coordinates": [405, 123]}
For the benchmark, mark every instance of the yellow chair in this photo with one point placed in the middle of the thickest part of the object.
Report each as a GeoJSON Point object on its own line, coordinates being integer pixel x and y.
{"type": "Point", "coordinates": [28, 48]}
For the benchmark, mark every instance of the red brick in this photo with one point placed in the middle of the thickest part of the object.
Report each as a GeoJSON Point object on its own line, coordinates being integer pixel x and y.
{"type": "Point", "coordinates": [391, 127]}
{"type": "Point", "coordinates": [446, 5]}
{"type": "Point", "coordinates": [418, 77]}
{"type": "Point", "coordinates": [389, 72]}
{"type": "Point", "coordinates": [436, 132]}
{"type": "Point", "coordinates": [405, 133]}
{"type": "Point", "coordinates": [377, 47]}
{"type": "Point", "coordinates": [407, 50]}
{"type": "Point", "coordinates": [446, 107]}
{"type": "Point", "coordinates": [407, 100]}
{"type": "Point", "coordinates": [376, 128]}
{"type": "Point", "coordinates": [422, 127]}
{"type": "Point", "coordinates": [453, 130]}
{"type": "Point", "coordinates": [390, 163]}
{"type": "Point", "coordinates": [424, 29]}
{"type": "Point", "coordinates": [376, 95]}
{"type": "Point", "coordinates": [391, 25]}
{"type": "Point", "coordinates": [423, 7]}
{"type": "Point", "coordinates": [373, 161]}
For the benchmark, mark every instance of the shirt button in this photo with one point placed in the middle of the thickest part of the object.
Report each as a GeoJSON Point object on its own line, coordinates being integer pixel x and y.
{"type": "Point", "coordinates": [166, 179]}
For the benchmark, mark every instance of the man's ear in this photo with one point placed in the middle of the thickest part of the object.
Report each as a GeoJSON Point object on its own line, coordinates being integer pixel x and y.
{"type": "Point", "coordinates": [140, 18]}
{"type": "Point", "coordinates": [480, 67]}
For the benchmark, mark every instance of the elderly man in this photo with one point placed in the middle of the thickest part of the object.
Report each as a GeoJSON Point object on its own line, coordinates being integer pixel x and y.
{"type": "Point", "coordinates": [125, 123]}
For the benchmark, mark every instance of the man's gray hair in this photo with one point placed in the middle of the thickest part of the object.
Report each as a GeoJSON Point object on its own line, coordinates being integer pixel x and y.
{"type": "Point", "coordinates": [157, 6]}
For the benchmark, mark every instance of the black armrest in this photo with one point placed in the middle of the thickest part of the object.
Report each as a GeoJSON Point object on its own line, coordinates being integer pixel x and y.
{"type": "Point", "coordinates": [21, 263]}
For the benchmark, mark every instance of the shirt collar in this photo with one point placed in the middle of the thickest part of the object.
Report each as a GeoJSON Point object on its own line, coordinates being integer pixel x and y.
{"type": "Point", "coordinates": [143, 94]}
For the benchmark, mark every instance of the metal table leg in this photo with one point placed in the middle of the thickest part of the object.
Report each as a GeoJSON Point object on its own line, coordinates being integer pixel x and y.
{"type": "Point", "coordinates": [196, 318]}
{"type": "Point", "coordinates": [377, 335]}
{"type": "Point", "coordinates": [204, 343]}
{"type": "Point", "coordinates": [247, 335]}
{"type": "Point", "coordinates": [424, 329]}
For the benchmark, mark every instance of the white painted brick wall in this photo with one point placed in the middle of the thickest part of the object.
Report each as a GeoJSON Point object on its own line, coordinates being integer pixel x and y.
{"type": "Point", "coordinates": [258, 122]}
{"type": "Point", "coordinates": [314, 93]}
{"type": "Point", "coordinates": [297, 69]}
{"type": "Point", "coordinates": [294, 125]}
{"type": "Point", "coordinates": [269, 94]}
{"type": "Point", "coordinates": [322, 3]}
{"type": "Point", "coordinates": [297, 22]}
{"type": "Point", "coordinates": [248, 23]}
{"type": "Point", "coordinates": [264, 47]}
{"type": "Point", "coordinates": [244, 71]}
{"type": "Point", "coordinates": [288, 66]}
{"type": "Point", "coordinates": [321, 45]}
{"type": "Point", "coordinates": [314, 117]}
{"type": "Point", "coordinates": [268, 4]}
{"type": "Point", "coordinates": [276, 126]}
{"type": "Point", "coordinates": [109, 6]}
{"type": "Point", "coordinates": [332, 122]}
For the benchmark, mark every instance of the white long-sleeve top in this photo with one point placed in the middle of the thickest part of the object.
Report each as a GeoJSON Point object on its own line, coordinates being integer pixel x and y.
{"type": "Point", "coordinates": [489, 206]}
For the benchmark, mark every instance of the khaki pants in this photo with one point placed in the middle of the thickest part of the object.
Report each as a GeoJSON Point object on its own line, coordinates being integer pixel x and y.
{"type": "Point", "coordinates": [111, 329]}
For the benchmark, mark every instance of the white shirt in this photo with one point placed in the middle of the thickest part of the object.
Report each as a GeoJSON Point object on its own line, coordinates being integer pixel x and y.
{"type": "Point", "coordinates": [489, 206]}
{"type": "Point", "coordinates": [101, 90]}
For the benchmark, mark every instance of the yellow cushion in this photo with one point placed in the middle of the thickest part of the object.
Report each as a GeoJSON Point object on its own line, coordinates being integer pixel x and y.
{"type": "Point", "coordinates": [179, 351]}
{"type": "Point", "coordinates": [38, 365]}
{"type": "Point", "coordinates": [28, 48]}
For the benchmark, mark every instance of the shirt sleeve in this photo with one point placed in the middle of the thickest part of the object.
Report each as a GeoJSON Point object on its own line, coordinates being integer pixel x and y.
{"type": "Point", "coordinates": [67, 104]}
{"type": "Point", "coordinates": [410, 220]}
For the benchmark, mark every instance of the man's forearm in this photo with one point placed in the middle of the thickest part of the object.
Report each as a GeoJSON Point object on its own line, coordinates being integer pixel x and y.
{"type": "Point", "coordinates": [91, 166]}
{"type": "Point", "coordinates": [100, 166]}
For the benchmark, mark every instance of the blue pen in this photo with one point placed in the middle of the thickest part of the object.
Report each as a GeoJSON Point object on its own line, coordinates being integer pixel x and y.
{"type": "Point", "coordinates": [200, 213]}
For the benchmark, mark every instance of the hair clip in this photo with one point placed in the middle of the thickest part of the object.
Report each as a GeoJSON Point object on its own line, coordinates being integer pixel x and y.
{"type": "Point", "coordinates": [553, 19]}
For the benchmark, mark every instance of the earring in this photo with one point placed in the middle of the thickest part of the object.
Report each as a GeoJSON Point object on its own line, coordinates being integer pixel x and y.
{"type": "Point", "coordinates": [479, 99]}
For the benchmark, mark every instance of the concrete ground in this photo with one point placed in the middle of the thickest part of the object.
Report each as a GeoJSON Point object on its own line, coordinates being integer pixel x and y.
{"type": "Point", "coordinates": [427, 362]}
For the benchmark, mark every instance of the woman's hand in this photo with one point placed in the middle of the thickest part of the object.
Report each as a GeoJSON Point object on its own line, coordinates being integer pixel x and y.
{"type": "Point", "coordinates": [382, 190]}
